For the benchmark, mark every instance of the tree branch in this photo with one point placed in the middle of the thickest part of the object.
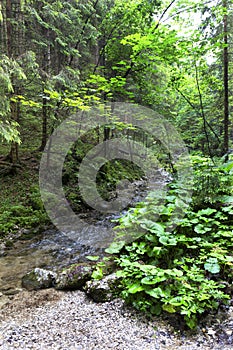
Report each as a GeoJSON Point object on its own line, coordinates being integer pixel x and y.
{"type": "Point", "coordinates": [82, 32]}
{"type": "Point", "coordinates": [202, 111]}
{"type": "Point", "coordinates": [196, 110]}
{"type": "Point", "coordinates": [156, 27]}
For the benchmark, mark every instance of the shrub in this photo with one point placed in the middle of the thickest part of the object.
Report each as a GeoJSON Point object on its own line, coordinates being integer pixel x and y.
{"type": "Point", "coordinates": [187, 270]}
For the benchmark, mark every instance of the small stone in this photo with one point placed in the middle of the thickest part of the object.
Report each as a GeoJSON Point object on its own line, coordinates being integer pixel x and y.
{"type": "Point", "coordinates": [3, 301]}
{"type": "Point", "coordinates": [12, 291]}
{"type": "Point", "coordinates": [229, 332]}
{"type": "Point", "coordinates": [211, 332]}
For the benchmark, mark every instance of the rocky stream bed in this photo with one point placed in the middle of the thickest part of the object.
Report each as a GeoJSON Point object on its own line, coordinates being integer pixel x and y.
{"type": "Point", "coordinates": [55, 319]}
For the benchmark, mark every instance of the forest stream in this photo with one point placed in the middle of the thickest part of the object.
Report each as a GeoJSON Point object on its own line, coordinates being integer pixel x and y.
{"type": "Point", "coordinates": [53, 249]}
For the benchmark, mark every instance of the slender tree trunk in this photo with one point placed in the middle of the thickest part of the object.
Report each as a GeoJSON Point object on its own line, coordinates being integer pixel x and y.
{"type": "Point", "coordinates": [226, 81]}
{"type": "Point", "coordinates": [9, 27]}
{"type": "Point", "coordinates": [3, 26]}
{"type": "Point", "coordinates": [44, 125]}
{"type": "Point", "coordinates": [15, 47]}
{"type": "Point", "coordinates": [14, 152]}
{"type": "Point", "coordinates": [83, 31]}
{"type": "Point", "coordinates": [47, 70]}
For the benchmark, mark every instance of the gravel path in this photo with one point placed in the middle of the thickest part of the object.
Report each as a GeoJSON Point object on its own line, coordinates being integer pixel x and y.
{"type": "Point", "coordinates": [49, 319]}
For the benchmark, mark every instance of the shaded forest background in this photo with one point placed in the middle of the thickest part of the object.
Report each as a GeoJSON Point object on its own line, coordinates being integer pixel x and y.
{"type": "Point", "coordinates": [58, 57]}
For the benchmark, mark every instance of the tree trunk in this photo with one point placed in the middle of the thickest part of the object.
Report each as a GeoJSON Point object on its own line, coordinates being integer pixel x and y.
{"type": "Point", "coordinates": [44, 125]}
{"type": "Point", "coordinates": [226, 81]}
{"type": "Point", "coordinates": [15, 115]}
{"type": "Point", "coordinates": [9, 27]}
{"type": "Point", "coordinates": [15, 47]}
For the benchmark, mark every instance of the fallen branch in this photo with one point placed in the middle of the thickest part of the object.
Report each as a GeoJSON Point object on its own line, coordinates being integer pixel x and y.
{"type": "Point", "coordinates": [11, 165]}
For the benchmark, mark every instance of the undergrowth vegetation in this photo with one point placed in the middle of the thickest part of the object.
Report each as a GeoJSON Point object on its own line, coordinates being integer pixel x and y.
{"type": "Point", "coordinates": [187, 270]}
{"type": "Point", "coordinates": [21, 205]}
{"type": "Point", "coordinates": [108, 175]}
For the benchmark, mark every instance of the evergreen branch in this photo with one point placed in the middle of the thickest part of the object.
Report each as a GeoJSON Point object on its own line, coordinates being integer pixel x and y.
{"type": "Point", "coordinates": [83, 30]}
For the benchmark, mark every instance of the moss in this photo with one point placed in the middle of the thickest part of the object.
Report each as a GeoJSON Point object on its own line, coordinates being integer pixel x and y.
{"type": "Point", "coordinates": [9, 244]}
{"type": "Point", "coordinates": [27, 236]}
{"type": "Point", "coordinates": [74, 277]}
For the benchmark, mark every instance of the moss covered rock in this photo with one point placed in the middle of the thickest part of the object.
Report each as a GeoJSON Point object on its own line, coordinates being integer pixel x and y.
{"type": "Point", "coordinates": [39, 279]}
{"type": "Point", "coordinates": [74, 277]}
{"type": "Point", "coordinates": [103, 290]}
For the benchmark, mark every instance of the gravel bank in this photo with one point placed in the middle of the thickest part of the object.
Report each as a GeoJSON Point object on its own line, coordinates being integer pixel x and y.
{"type": "Point", "coordinates": [49, 319]}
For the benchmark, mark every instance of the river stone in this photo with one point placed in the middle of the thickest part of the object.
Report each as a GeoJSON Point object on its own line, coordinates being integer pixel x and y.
{"type": "Point", "coordinates": [39, 279]}
{"type": "Point", "coordinates": [103, 290]}
{"type": "Point", "coordinates": [74, 277]}
{"type": "Point", "coordinates": [3, 300]}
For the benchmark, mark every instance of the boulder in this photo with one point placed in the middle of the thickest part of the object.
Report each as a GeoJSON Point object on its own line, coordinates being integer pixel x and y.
{"type": "Point", "coordinates": [103, 290]}
{"type": "Point", "coordinates": [74, 277]}
{"type": "Point", "coordinates": [39, 279]}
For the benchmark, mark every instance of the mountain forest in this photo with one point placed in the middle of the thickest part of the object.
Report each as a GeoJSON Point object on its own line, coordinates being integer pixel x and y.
{"type": "Point", "coordinates": [172, 249]}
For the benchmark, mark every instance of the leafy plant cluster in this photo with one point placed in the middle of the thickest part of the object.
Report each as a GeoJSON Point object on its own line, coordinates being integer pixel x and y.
{"type": "Point", "coordinates": [187, 270]}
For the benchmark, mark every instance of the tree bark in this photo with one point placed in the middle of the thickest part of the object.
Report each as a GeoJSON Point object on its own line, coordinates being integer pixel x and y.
{"type": "Point", "coordinates": [226, 82]}
{"type": "Point", "coordinates": [9, 27]}
{"type": "Point", "coordinates": [44, 125]}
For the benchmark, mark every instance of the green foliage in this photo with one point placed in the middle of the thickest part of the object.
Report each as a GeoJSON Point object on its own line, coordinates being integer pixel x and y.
{"type": "Point", "coordinates": [28, 215]}
{"type": "Point", "coordinates": [109, 176]}
{"type": "Point", "coordinates": [9, 132]}
{"type": "Point", "coordinates": [97, 274]}
{"type": "Point", "coordinates": [93, 257]}
{"type": "Point", "coordinates": [213, 182]}
{"type": "Point", "coordinates": [16, 217]}
{"type": "Point", "coordinates": [113, 172]}
{"type": "Point", "coordinates": [184, 270]}
{"type": "Point", "coordinates": [90, 52]}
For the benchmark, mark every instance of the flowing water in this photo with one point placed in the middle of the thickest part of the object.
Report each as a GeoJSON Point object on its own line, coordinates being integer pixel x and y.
{"type": "Point", "coordinates": [53, 249]}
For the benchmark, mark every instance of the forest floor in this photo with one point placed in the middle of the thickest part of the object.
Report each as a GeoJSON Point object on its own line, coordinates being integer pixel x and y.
{"type": "Point", "coordinates": [15, 188]}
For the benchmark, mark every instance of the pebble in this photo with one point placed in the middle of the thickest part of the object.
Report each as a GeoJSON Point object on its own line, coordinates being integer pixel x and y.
{"type": "Point", "coordinates": [56, 320]}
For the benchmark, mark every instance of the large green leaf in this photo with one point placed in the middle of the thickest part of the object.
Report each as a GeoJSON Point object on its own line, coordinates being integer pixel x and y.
{"type": "Point", "coordinates": [157, 293]}
{"type": "Point", "coordinates": [115, 247]}
{"type": "Point", "coordinates": [134, 288]}
{"type": "Point", "coordinates": [212, 265]}
{"type": "Point", "coordinates": [169, 308]}
{"type": "Point", "coordinates": [201, 229]}
{"type": "Point", "coordinates": [153, 279]}
{"type": "Point", "coordinates": [153, 227]}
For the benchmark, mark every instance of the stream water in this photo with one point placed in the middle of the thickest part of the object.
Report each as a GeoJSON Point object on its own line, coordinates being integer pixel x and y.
{"type": "Point", "coordinates": [53, 249]}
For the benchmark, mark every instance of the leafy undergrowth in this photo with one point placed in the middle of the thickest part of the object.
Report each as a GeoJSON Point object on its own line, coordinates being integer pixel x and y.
{"type": "Point", "coordinates": [21, 206]}
{"type": "Point", "coordinates": [186, 270]}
